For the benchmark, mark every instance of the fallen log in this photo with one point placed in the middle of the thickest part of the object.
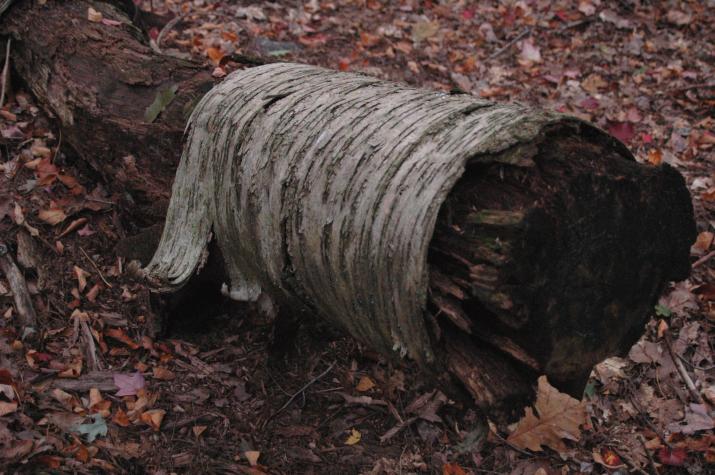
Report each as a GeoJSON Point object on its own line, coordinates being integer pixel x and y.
{"type": "Point", "coordinates": [534, 239]}
{"type": "Point", "coordinates": [490, 242]}
{"type": "Point", "coordinates": [99, 81]}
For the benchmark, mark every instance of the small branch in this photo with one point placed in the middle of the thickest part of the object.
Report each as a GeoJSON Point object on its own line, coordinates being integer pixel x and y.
{"type": "Point", "coordinates": [682, 371]}
{"type": "Point", "coordinates": [629, 461]}
{"type": "Point", "coordinates": [102, 380]}
{"type": "Point", "coordinates": [156, 45]}
{"type": "Point", "coordinates": [23, 302]}
{"type": "Point", "coordinates": [299, 392]}
{"type": "Point", "coordinates": [574, 24]}
{"type": "Point", "coordinates": [96, 268]}
{"type": "Point", "coordinates": [694, 86]}
{"type": "Point", "coordinates": [5, 70]}
{"type": "Point", "coordinates": [509, 44]}
{"type": "Point", "coordinates": [647, 452]}
{"type": "Point", "coordinates": [703, 259]}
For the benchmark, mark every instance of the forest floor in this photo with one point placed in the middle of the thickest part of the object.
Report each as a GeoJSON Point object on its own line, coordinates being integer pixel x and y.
{"type": "Point", "coordinates": [95, 393]}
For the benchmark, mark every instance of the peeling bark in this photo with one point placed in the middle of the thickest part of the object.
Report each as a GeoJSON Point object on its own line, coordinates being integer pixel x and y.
{"type": "Point", "coordinates": [325, 189]}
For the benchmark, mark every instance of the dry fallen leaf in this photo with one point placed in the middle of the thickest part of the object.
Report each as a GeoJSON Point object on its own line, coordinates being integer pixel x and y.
{"type": "Point", "coordinates": [162, 373]}
{"type": "Point", "coordinates": [93, 15]}
{"type": "Point", "coordinates": [252, 457]}
{"type": "Point", "coordinates": [153, 418]}
{"type": "Point", "coordinates": [121, 419]}
{"type": "Point", "coordinates": [365, 384]}
{"type": "Point", "coordinates": [7, 408]}
{"type": "Point", "coordinates": [52, 216]}
{"type": "Point", "coordinates": [354, 437]}
{"type": "Point", "coordinates": [530, 53]}
{"type": "Point", "coordinates": [558, 416]}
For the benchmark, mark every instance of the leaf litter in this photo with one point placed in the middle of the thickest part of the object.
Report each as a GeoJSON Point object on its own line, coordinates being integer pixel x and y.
{"type": "Point", "coordinates": [639, 78]}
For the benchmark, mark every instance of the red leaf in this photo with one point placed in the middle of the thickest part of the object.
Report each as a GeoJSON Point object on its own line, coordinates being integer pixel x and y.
{"type": "Point", "coordinates": [623, 131]}
{"type": "Point", "coordinates": [452, 469]}
{"type": "Point", "coordinates": [468, 13]}
{"type": "Point", "coordinates": [675, 456]}
{"type": "Point", "coordinates": [589, 103]}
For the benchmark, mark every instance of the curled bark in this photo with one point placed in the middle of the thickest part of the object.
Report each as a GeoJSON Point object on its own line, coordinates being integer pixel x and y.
{"type": "Point", "coordinates": [325, 189]}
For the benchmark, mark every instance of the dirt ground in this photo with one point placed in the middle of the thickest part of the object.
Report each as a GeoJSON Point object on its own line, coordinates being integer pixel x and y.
{"type": "Point", "coordinates": [222, 391]}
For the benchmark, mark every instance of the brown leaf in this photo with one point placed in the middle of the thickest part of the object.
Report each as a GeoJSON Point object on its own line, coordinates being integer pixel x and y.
{"type": "Point", "coordinates": [52, 216]}
{"type": "Point", "coordinates": [558, 416]}
{"type": "Point", "coordinates": [121, 419]}
{"type": "Point", "coordinates": [163, 373]}
{"type": "Point", "coordinates": [81, 275]}
{"type": "Point", "coordinates": [365, 384]}
{"type": "Point", "coordinates": [153, 418]}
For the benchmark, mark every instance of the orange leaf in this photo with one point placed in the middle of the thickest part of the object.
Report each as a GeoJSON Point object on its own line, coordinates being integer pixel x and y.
{"type": "Point", "coordinates": [655, 156]}
{"type": "Point", "coordinates": [214, 54]}
{"type": "Point", "coordinates": [153, 418]}
{"type": "Point", "coordinates": [121, 419]}
{"type": "Point", "coordinates": [119, 335]}
{"type": "Point", "coordinates": [452, 469]}
{"type": "Point", "coordinates": [365, 384]}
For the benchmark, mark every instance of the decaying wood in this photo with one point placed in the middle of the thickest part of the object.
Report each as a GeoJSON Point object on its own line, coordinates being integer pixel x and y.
{"type": "Point", "coordinates": [558, 265]}
{"type": "Point", "coordinates": [99, 80]}
{"type": "Point", "coordinates": [23, 303]}
{"type": "Point", "coordinates": [539, 239]}
{"type": "Point", "coordinates": [104, 381]}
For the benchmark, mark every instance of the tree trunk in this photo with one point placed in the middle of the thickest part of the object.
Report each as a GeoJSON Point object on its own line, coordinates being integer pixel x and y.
{"type": "Point", "coordinates": [490, 242]}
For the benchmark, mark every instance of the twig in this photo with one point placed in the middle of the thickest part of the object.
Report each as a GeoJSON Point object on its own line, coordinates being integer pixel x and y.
{"type": "Point", "coordinates": [510, 44]}
{"type": "Point", "coordinates": [682, 371]}
{"type": "Point", "coordinates": [57, 150]}
{"type": "Point", "coordinates": [703, 259]}
{"type": "Point", "coordinates": [300, 391]}
{"type": "Point", "coordinates": [93, 362]}
{"type": "Point", "coordinates": [156, 45]}
{"type": "Point", "coordinates": [694, 86]}
{"type": "Point", "coordinates": [645, 416]}
{"type": "Point", "coordinates": [5, 70]}
{"type": "Point", "coordinates": [629, 461]}
{"type": "Point", "coordinates": [512, 446]}
{"type": "Point", "coordinates": [574, 24]}
{"type": "Point", "coordinates": [23, 303]}
{"type": "Point", "coordinates": [650, 457]}
{"type": "Point", "coordinates": [96, 268]}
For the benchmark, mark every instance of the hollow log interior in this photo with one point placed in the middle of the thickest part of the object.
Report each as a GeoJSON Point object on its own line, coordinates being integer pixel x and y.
{"type": "Point", "coordinates": [557, 265]}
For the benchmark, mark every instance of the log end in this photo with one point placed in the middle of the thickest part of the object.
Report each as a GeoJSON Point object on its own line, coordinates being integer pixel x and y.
{"type": "Point", "coordinates": [558, 265]}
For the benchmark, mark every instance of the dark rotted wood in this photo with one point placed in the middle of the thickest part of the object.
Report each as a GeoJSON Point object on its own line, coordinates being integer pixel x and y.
{"type": "Point", "coordinates": [98, 81]}
{"type": "Point", "coordinates": [559, 265]}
